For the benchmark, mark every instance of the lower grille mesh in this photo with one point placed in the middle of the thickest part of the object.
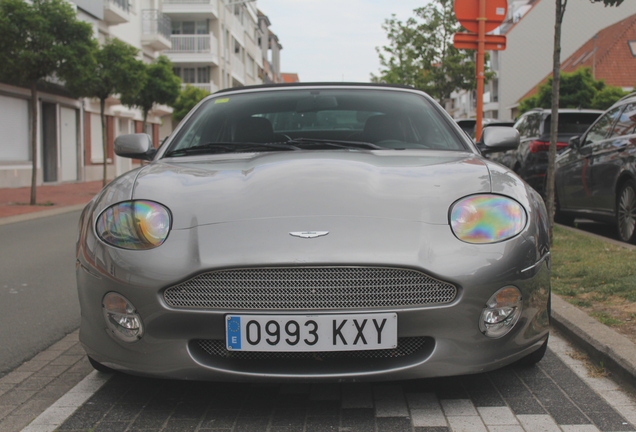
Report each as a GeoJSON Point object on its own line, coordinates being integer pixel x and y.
{"type": "Point", "coordinates": [310, 288]}
{"type": "Point", "coordinates": [406, 346]}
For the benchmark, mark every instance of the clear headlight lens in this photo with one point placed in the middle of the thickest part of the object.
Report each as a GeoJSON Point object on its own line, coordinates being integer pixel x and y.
{"type": "Point", "coordinates": [134, 225]}
{"type": "Point", "coordinates": [487, 218]}
{"type": "Point", "coordinates": [122, 318]}
{"type": "Point", "coordinates": [501, 313]}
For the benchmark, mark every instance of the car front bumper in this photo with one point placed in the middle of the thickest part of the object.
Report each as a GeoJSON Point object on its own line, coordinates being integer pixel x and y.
{"type": "Point", "coordinates": [451, 343]}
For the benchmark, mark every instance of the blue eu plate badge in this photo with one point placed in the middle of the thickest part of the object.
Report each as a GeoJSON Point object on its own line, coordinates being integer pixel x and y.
{"type": "Point", "coordinates": [233, 328]}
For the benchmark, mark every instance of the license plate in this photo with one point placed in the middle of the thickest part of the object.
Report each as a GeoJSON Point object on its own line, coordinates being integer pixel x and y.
{"type": "Point", "coordinates": [283, 333]}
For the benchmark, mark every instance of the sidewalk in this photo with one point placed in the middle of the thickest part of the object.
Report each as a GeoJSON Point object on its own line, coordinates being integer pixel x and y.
{"type": "Point", "coordinates": [14, 201]}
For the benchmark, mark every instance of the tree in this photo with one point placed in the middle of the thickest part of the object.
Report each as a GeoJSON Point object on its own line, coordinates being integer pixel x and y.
{"type": "Point", "coordinates": [161, 87]}
{"type": "Point", "coordinates": [578, 89]}
{"type": "Point", "coordinates": [556, 74]}
{"type": "Point", "coordinates": [421, 53]}
{"type": "Point", "coordinates": [189, 97]}
{"type": "Point", "coordinates": [40, 40]}
{"type": "Point", "coordinates": [115, 71]}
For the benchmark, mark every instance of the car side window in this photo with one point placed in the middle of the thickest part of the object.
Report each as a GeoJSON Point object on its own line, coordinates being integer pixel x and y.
{"type": "Point", "coordinates": [626, 122]}
{"type": "Point", "coordinates": [522, 126]}
{"type": "Point", "coordinates": [534, 123]}
{"type": "Point", "coordinates": [600, 129]}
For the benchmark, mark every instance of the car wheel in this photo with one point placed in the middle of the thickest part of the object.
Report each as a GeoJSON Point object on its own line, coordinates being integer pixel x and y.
{"type": "Point", "coordinates": [626, 212]}
{"type": "Point", "coordinates": [100, 367]}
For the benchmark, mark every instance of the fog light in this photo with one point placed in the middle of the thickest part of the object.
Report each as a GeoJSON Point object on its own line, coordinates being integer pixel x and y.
{"type": "Point", "coordinates": [122, 318]}
{"type": "Point", "coordinates": [501, 312]}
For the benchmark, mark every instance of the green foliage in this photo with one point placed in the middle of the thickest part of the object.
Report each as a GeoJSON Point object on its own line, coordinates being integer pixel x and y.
{"type": "Point", "coordinates": [41, 39]}
{"type": "Point", "coordinates": [114, 70]}
{"type": "Point", "coordinates": [421, 53]}
{"type": "Point", "coordinates": [161, 86]}
{"type": "Point", "coordinates": [189, 97]}
{"type": "Point", "coordinates": [578, 89]}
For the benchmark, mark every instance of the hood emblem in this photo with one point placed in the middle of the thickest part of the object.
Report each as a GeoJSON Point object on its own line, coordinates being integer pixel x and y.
{"type": "Point", "coordinates": [308, 234]}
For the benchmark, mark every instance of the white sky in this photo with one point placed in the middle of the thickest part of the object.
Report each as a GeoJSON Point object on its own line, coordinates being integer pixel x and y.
{"type": "Point", "coordinates": [333, 40]}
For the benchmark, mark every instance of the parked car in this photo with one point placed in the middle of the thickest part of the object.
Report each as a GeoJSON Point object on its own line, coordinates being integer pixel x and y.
{"type": "Point", "coordinates": [530, 159]}
{"type": "Point", "coordinates": [314, 232]}
{"type": "Point", "coordinates": [596, 176]}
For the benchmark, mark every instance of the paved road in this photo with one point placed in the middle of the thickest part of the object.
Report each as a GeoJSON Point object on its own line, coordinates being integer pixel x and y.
{"type": "Point", "coordinates": [37, 286]}
{"type": "Point", "coordinates": [555, 396]}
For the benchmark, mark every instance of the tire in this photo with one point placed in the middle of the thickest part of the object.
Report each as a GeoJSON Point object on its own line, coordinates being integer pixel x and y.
{"type": "Point", "coordinates": [100, 367]}
{"type": "Point", "coordinates": [534, 357]}
{"type": "Point", "coordinates": [626, 212]}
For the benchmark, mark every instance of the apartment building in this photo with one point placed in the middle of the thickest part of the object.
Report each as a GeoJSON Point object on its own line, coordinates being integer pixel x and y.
{"type": "Point", "coordinates": [69, 130]}
{"type": "Point", "coordinates": [217, 44]}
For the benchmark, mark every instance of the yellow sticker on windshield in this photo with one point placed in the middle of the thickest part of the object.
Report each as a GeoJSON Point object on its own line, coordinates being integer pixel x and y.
{"type": "Point", "coordinates": [221, 101]}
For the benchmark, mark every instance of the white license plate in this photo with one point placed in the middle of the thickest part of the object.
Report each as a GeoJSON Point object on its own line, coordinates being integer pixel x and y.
{"type": "Point", "coordinates": [283, 333]}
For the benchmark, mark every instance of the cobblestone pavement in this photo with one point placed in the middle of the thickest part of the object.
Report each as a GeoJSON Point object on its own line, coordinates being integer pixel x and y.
{"type": "Point", "coordinates": [557, 395]}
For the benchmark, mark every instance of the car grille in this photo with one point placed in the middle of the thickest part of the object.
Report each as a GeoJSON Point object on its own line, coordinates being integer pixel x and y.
{"type": "Point", "coordinates": [310, 288]}
{"type": "Point", "coordinates": [406, 346]}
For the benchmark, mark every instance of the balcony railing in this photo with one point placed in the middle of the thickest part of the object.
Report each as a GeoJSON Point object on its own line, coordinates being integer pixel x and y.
{"type": "Point", "coordinates": [122, 4]}
{"type": "Point", "coordinates": [192, 44]}
{"type": "Point", "coordinates": [208, 87]}
{"type": "Point", "coordinates": [188, 1]}
{"type": "Point", "coordinates": [154, 22]}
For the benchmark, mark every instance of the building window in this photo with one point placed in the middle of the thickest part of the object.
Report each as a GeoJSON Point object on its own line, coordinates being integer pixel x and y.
{"type": "Point", "coordinates": [203, 75]}
{"type": "Point", "coordinates": [188, 76]}
{"type": "Point", "coordinates": [632, 47]}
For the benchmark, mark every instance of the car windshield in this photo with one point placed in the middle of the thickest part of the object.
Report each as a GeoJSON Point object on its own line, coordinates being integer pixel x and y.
{"type": "Point", "coordinates": [315, 119]}
{"type": "Point", "coordinates": [572, 123]}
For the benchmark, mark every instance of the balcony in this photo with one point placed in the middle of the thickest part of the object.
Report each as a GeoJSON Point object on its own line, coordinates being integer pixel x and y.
{"type": "Point", "coordinates": [116, 11]}
{"type": "Point", "coordinates": [185, 10]}
{"type": "Point", "coordinates": [238, 69]}
{"type": "Point", "coordinates": [208, 87]}
{"type": "Point", "coordinates": [194, 49]}
{"type": "Point", "coordinates": [155, 30]}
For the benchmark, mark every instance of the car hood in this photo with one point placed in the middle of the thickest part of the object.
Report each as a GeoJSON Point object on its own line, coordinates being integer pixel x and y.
{"type": "Point", "coordinates": [397, 185]}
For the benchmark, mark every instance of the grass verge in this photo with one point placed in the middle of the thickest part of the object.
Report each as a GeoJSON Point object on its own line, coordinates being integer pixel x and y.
{"type": "Point", "coordinates": [597, 277]}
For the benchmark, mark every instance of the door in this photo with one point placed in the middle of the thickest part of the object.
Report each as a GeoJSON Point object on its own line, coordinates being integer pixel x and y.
{"type": "Point", "coordinates": [610, 157]}
{"type": "Point", "coordinates": [68, 143]}
{"type": "Point", "coordinates": [49, 142]}
{"type": "Point", "coordinates": [575, 174]}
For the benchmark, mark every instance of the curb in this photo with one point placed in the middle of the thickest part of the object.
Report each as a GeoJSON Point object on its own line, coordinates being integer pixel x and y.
{"type": "Point", "coordinates": [41, 214]}
{"type": "Point", "coordinates": [605, 346]}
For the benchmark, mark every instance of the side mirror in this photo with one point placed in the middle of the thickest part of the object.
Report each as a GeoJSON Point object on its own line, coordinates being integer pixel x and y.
{"type": "Point", "coordinates": [498, 139]}
{"type": "Point", "coordinates": [575, 142]}
{"type": "Point", "coordinates": [135, 146]}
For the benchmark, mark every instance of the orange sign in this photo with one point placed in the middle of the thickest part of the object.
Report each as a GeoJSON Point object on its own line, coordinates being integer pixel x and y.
{"type": "Point", "coordinates": [467, 12]}
{"type": "Point", "coordinates": [469, 41]}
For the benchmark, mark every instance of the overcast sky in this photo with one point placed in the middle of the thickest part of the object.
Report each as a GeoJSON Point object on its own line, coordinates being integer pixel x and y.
{"type": "Point", "coordinates": [333, 40]}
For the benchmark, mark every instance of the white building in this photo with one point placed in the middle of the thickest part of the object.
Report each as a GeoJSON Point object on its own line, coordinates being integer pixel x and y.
{"type": "Point", "coordinates": [212, 46]}
{"type": "Point", "coordinates": [527, 58]}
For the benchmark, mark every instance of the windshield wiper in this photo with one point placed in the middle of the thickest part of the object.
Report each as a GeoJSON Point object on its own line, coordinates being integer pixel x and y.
{"type": "Point", "coordinates": [336, 143]}
{"type": "Point", "coordinates": [230, 147]}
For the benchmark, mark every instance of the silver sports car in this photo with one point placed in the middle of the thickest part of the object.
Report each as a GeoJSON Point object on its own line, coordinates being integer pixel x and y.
{"type": "Point", "coordinates": [314, 232]}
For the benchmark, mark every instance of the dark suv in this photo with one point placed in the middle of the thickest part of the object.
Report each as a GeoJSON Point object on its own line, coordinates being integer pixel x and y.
{"type": "Point", "coordinates": [530, 159]}
{"type": "Point", "coordinates": [596, 175]}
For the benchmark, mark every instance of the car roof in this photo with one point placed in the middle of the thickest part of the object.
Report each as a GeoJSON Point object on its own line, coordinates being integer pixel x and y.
{"type": "Point", "coordinates": [564, 111]}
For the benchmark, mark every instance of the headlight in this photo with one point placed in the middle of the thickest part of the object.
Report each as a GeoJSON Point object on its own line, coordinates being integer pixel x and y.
{"type": "Point", "coordinates": [487, 218]}
{"type": "Point", "coordinates": [134, 225]}
{"type": "Point", "coordinates": [122, 318]}
{"type": "Point", "coordinates": [501, 313]}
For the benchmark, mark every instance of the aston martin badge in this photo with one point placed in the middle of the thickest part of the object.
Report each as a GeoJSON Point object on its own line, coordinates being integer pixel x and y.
{"type": "Point", "coordinates": [308, 234]}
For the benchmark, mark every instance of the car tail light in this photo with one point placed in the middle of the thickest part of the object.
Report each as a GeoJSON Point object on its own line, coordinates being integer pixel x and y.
{"type": "Point", "coordinates": [539, 146]}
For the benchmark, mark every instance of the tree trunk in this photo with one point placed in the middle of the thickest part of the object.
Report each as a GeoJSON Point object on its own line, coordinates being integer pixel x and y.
{"type": "Point", "coordinates": [102, 106]}
{"type": "Point", "coordinates": [34, 140]}
{"type": "Point", "coordinates": [554, 122]}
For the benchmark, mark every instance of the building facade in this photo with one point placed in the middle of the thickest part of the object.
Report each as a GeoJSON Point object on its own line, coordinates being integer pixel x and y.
{"type": "Point", "coordinates": [214, 44]}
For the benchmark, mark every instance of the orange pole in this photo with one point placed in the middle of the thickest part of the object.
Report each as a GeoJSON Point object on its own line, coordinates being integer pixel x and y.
{"type": "Point", "coordinates": [481, 41]}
